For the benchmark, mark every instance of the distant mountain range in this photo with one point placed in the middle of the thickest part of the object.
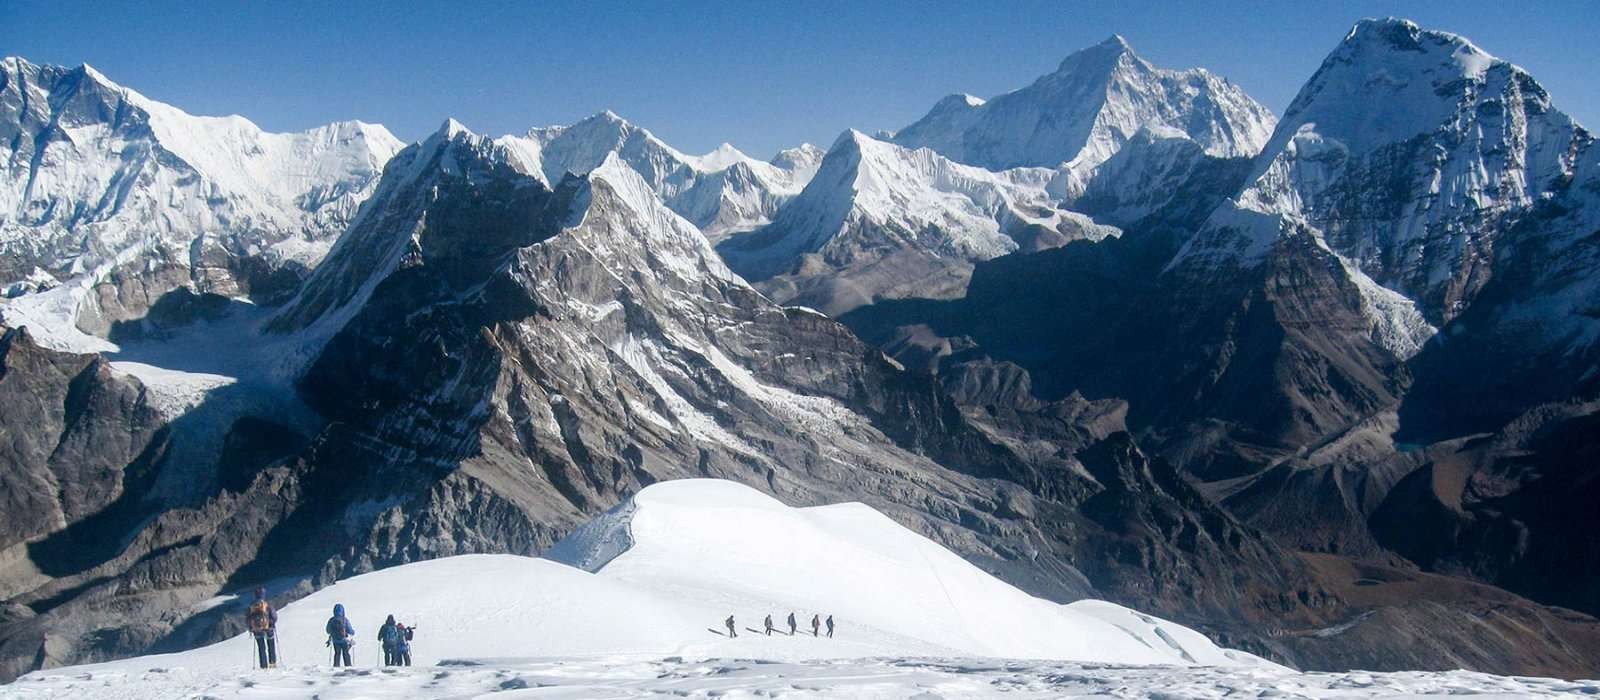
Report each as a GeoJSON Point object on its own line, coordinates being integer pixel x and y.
{"type": "Point", "coordinates": [1323, 387]}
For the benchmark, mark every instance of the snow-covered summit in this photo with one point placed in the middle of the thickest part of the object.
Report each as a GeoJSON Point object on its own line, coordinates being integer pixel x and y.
{"type": "Point", "coordinates": [1083, 112]}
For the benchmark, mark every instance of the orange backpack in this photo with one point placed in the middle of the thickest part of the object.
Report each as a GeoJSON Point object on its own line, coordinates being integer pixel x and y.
{"type": "Point", "coordinates": [259, 618]}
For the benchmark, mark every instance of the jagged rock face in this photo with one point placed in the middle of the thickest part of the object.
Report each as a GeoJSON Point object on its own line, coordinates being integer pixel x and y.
{"type": "Point", "coordinates": [1515, 508]}
{"type": "Point", "coordinates": [1083, 113]}
{"type": "Point", "coordinates": [1253, 364]}
{"type": "Point", "coordinates": [1531, 337]}
{"type": "Point", "coordinates": [104, 182]}
{"type": "Point", "coordinates": [78, 440]}
{"type": "Point", "coordinates": [879, 221]}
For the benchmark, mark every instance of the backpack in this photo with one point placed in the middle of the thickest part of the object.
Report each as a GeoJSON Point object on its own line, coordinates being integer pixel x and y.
{"type": "Point", "coordinates": [259, 617]}
{"type": "Point", "coordinates": [337, 628]}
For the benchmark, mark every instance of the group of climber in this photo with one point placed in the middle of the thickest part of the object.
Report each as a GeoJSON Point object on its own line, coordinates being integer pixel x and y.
{"type": "Point", "coordinates": [262, 620]}
{"type": "Point", "coordinates": [816, 625]}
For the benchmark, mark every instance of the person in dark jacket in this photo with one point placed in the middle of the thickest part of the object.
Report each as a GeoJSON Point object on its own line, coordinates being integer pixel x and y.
{"type": "Point", "coordinates": [830, 627]}
{"type": "Point", "coordinates": [386, 636]}
{"type": "Point", "coordinates": [341, 636]}
{"type": "Point", "coordinates": [791, 623]}
{"type": "Point", "coordinates": [816, 622]}
{"type": "Point", "coordinates": [732, 632]}
{"type": "Point", "coordinates": [262, 621]}
{"type": "Point", "coordinates": [769, 625]}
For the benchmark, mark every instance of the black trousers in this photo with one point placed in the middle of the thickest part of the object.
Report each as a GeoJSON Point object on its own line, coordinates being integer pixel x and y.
{"type": "Point", "coordinates": [266, 649]}
{"type": "Point", "coordinates": [402, 657]}
{"type": "Point", "coordinates": [341, 652]}
{"type": "Point", "coordinates": [388, 655]}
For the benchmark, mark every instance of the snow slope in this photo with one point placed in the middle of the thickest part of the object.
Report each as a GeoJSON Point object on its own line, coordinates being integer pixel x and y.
{"type": "Point", "coordinates": [695, 551]}
{"type": "Point", "coordinates": [888, 586]}
{"type": "Point", "coordinates": [670, 564]}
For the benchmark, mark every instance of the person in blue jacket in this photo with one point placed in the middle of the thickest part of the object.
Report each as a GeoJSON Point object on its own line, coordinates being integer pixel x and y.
{"type": "Point", "coordinates": [341, 636]}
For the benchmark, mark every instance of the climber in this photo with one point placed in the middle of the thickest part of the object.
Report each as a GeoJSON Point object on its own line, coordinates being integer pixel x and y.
{"type": "Point", "coordinates": [341, 636]}
{"type": "Point", "coordinates": [402, 644]}
{"type": "Point", "coordinates": [262, 621]}
{"type": "Point", "coordinates": [388, 635]}
{"type": "Point", "coordinates": [791, 623]}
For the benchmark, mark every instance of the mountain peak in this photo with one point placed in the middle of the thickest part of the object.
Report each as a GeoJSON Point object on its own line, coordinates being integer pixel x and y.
{"type": "Point", "coordinates": [1374, 36]}
{"type": "Point", "coordinates": [1104, 56]}
{"type": "Point", "coordinates": [1390, 29]}
{"type": "Point", "coordinates": [451, 128]}
{"type": "Point", "coordinates": [96, 75]}
{"type": "Point", "coordinates": [606, 115]}
{"type": "Point", "coordinates": [724, 156]}
{"type": "Point", "coordinates": [1116, 41]}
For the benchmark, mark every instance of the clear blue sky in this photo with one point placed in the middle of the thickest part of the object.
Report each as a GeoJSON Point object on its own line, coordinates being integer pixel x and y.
{"type": "Point", "coordinates": [763, 75]}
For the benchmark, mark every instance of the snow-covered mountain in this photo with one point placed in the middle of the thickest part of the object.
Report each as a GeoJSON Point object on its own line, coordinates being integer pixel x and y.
{"type": "Point", "coordinates": [1084, 112]}
{"type": "Point", "coordinates": [1465, 142]}
{"type": "Point", "coordinates": [1441, 182]}
{"type": "Point", "coordinates": [722, 191]}
{"type": "Point", "coordinates": [883, 221]}
{"type": "Point", "coordinates": [133, 197]}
